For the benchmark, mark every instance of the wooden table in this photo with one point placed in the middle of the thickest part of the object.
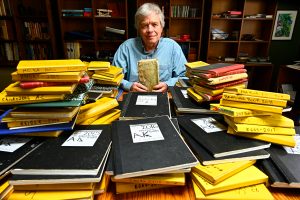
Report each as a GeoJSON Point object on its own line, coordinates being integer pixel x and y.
{"type": "Point", "coordinates": [183, 193]}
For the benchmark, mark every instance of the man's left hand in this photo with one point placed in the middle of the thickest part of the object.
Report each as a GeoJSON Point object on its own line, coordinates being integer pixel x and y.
{"type": "Point", "coordinates": [160, 87]}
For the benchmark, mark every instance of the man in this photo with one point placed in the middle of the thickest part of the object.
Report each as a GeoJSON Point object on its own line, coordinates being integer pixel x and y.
{"type": "Point", "coordinates": [149, 21]}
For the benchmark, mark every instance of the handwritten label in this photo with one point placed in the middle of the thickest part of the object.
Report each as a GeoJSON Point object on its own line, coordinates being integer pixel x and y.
{"type": "Point", "coordinates": [10, 144]}
{"type": "Point", "coordinates": [209, 124]}
{"type": "Point", "coordinates": [145, 132]}
{"type": "Point", "coordinates": [82, 138]}
{"type": "Point", "coordinates": [296, 149]}
{"type": "Point", "coordinates": [184, 93]}
{"type": "Point", "coordinates": [146, 100]}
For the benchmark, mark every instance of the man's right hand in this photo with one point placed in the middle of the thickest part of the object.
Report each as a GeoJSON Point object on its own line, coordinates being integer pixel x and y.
{"type": "Point", "coordinates": [138, 87]}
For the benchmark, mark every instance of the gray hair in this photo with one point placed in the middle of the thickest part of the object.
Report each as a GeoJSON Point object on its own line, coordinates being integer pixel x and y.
{"type": "Point", "coordinates": [145, 10]}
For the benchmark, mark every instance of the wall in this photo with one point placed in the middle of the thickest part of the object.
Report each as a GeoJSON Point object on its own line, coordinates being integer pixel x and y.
{"type": "Point", "coordinates": [286, 51]}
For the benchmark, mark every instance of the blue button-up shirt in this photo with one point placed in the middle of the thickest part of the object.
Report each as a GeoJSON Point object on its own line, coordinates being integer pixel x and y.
{"type": "Point", "coordinates": [168, 52]}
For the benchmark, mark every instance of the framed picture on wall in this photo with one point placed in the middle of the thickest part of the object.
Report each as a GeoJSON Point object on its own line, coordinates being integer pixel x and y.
{"type": "Point", "coordinates": [284, 24]}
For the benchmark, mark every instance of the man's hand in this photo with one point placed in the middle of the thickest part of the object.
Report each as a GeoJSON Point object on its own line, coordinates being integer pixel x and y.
{"type": "Point", "coordinates": [138, 87]}
{"type": "Point", "coordinates": [160, 87]}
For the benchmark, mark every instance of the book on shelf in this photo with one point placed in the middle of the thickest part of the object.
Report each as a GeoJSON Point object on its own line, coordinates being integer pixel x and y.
{"type": "Point", "coordinates": [15, 148]}
{"type": "Point", "coordinates": [287, 160]}
{"type": "Point", "coordinates": [21, 180]}
{"type": "Point", "coordinates": [46, 66]}
{"type": "Point", "coordinates": [236, 112]}
{"type": "Point", "coordinates": [253, 99]}
{"type": "Point", "coordinates": [114, 82]}
{"type": "Point", "coordinates": [267, 120]}
{"type": "Point", "coordinates": [184, 104]}
{"type": "Point", "coordinates": [208, 97]}
{"type": "Point", "coordinates": [43, 134]}
{"type": "Point", "coordinates": [257, 93]}
{"type": "Point", "coordinates": [148, 73]}
{"type": "Point", "coordinates": [211, 132]}
{"type": "Point", "coordinates": [217, 68]}
{"type": "Point", "coordinates": [54, 157]}
{"type": "Point", "coordinates": [145, 104]}
{"type": "Point", "coordinates": [249, 176]}
{"type": "Point", "coordinates": [141, 139]}
{"type": "Point", "coordinates": [286, 140]}
{"type": "Point", "coordinates": [206, 158]}
{"type": "Point", "coordinates": [114, 30]}
{"type": "Point", "coordinates": [9, 100]}
{"type": "Point", "coordinates": [15, 89]}
{"type": "Point", "coordinates": [135, 187]}
{"type": "Point", "coordinates": [252, 106]}
{"type": "Point", "coordinates": [220, 172]}
{"type": "Point", "coordinates": [55, 195]}
{"type": "Point", "coordinates": [252, 128]}
{"type": "Point", "coordinates": [257, 192]}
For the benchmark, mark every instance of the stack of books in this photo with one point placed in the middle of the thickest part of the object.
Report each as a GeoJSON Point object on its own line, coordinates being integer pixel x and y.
{"type": "Point", "coordinates": [209, 80]}
{"type": "Point", "coordinates": [111, 76]}
{"type": "Point", "coordinates": [260, 115]}
{"type": "Point", "coordinates": [40, 85]}
{"type": "Point", "coordinates": [70, 166]}
{"type": "Point", "coordinates": [143, 154]}
{"type": "Point", "coordinates": [237, 180]}
{"type": "Point", "coordinates": [103, 111]}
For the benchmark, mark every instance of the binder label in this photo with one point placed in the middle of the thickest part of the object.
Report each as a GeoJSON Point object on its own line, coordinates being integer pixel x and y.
{"type": "Point", "coordinates": [82, 138]}
{"type": "Point", "coordinates": [145, 132]}
{"type": "Point", "coordinates": [146, 100]}
{"type": "Point", "coordinates": [209, 124]}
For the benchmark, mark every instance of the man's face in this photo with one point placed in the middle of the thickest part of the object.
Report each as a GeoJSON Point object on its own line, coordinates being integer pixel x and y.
{"type": "Point", "coordinates": [150, 30]}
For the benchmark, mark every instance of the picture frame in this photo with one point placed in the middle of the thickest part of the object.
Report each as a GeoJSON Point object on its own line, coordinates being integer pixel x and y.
{"type": "Point", "coordinates": [284, 24]}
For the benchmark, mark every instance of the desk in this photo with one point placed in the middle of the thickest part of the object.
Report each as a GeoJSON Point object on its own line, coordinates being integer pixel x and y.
{"type": "Point", "coordinates": [183, 193]}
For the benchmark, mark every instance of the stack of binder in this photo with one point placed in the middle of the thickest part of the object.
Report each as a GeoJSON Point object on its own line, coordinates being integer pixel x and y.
{"type": "Point", "coordinates": [260, 115]}
{"type": "Point", "coordinates": [208, 81]}
{"type": "Point", "coordinates": [46, 96]}
{"type": "Point", "coordinates": [70, 166]}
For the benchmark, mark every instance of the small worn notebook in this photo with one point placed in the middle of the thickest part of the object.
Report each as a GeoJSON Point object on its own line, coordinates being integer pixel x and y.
{"type": "Point", "coordinates": [148, 70]}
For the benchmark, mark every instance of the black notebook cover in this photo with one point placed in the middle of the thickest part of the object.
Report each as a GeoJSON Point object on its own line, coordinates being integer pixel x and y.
{"type": "Point", "coordinates": [9, 158]}
{"type": "Point", "coordinates": [276, 178]}
{"type": "Point", "coordinates": [216, 140]}
{"type": "Point", "coordinates": [17, 179]}
{"type": "Point", "coordinates": [160, 105]}
{"type": "Point", "coordinates": [287, 163]}
{"type": "Point", "coordinates": [148, 146]}
{"type": "Point", "coordinates": [207, 158]}
{"type": "Point", "coordinates": [187, 105]}
{"type": "Point", "coordinates": [83, 154]}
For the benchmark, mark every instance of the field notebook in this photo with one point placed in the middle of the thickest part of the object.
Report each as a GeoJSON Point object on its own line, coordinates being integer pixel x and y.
{"type": "Point", "coordinates": [211, 132]}
{"type": "Point", "coordinates": [14, 148]}
{"type": "Point", "coordinates": [79, 153]}
{"type": "Point", "coordinates": [185, 104]}
{"type": "Point", "coordinates": [145, 104]}
{"type": "Point", "coordinates": [148, 146]}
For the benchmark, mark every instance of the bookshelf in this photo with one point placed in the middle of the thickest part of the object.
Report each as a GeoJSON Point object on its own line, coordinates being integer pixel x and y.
{"type": "Point", "coordinates": [85, 28]}
{"type": "Point", "coordinates": [30, 29]}
{"type": "Point", "coordinates": [243, 36]}
{"type": "Point", "coordinates": [183, 23]}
